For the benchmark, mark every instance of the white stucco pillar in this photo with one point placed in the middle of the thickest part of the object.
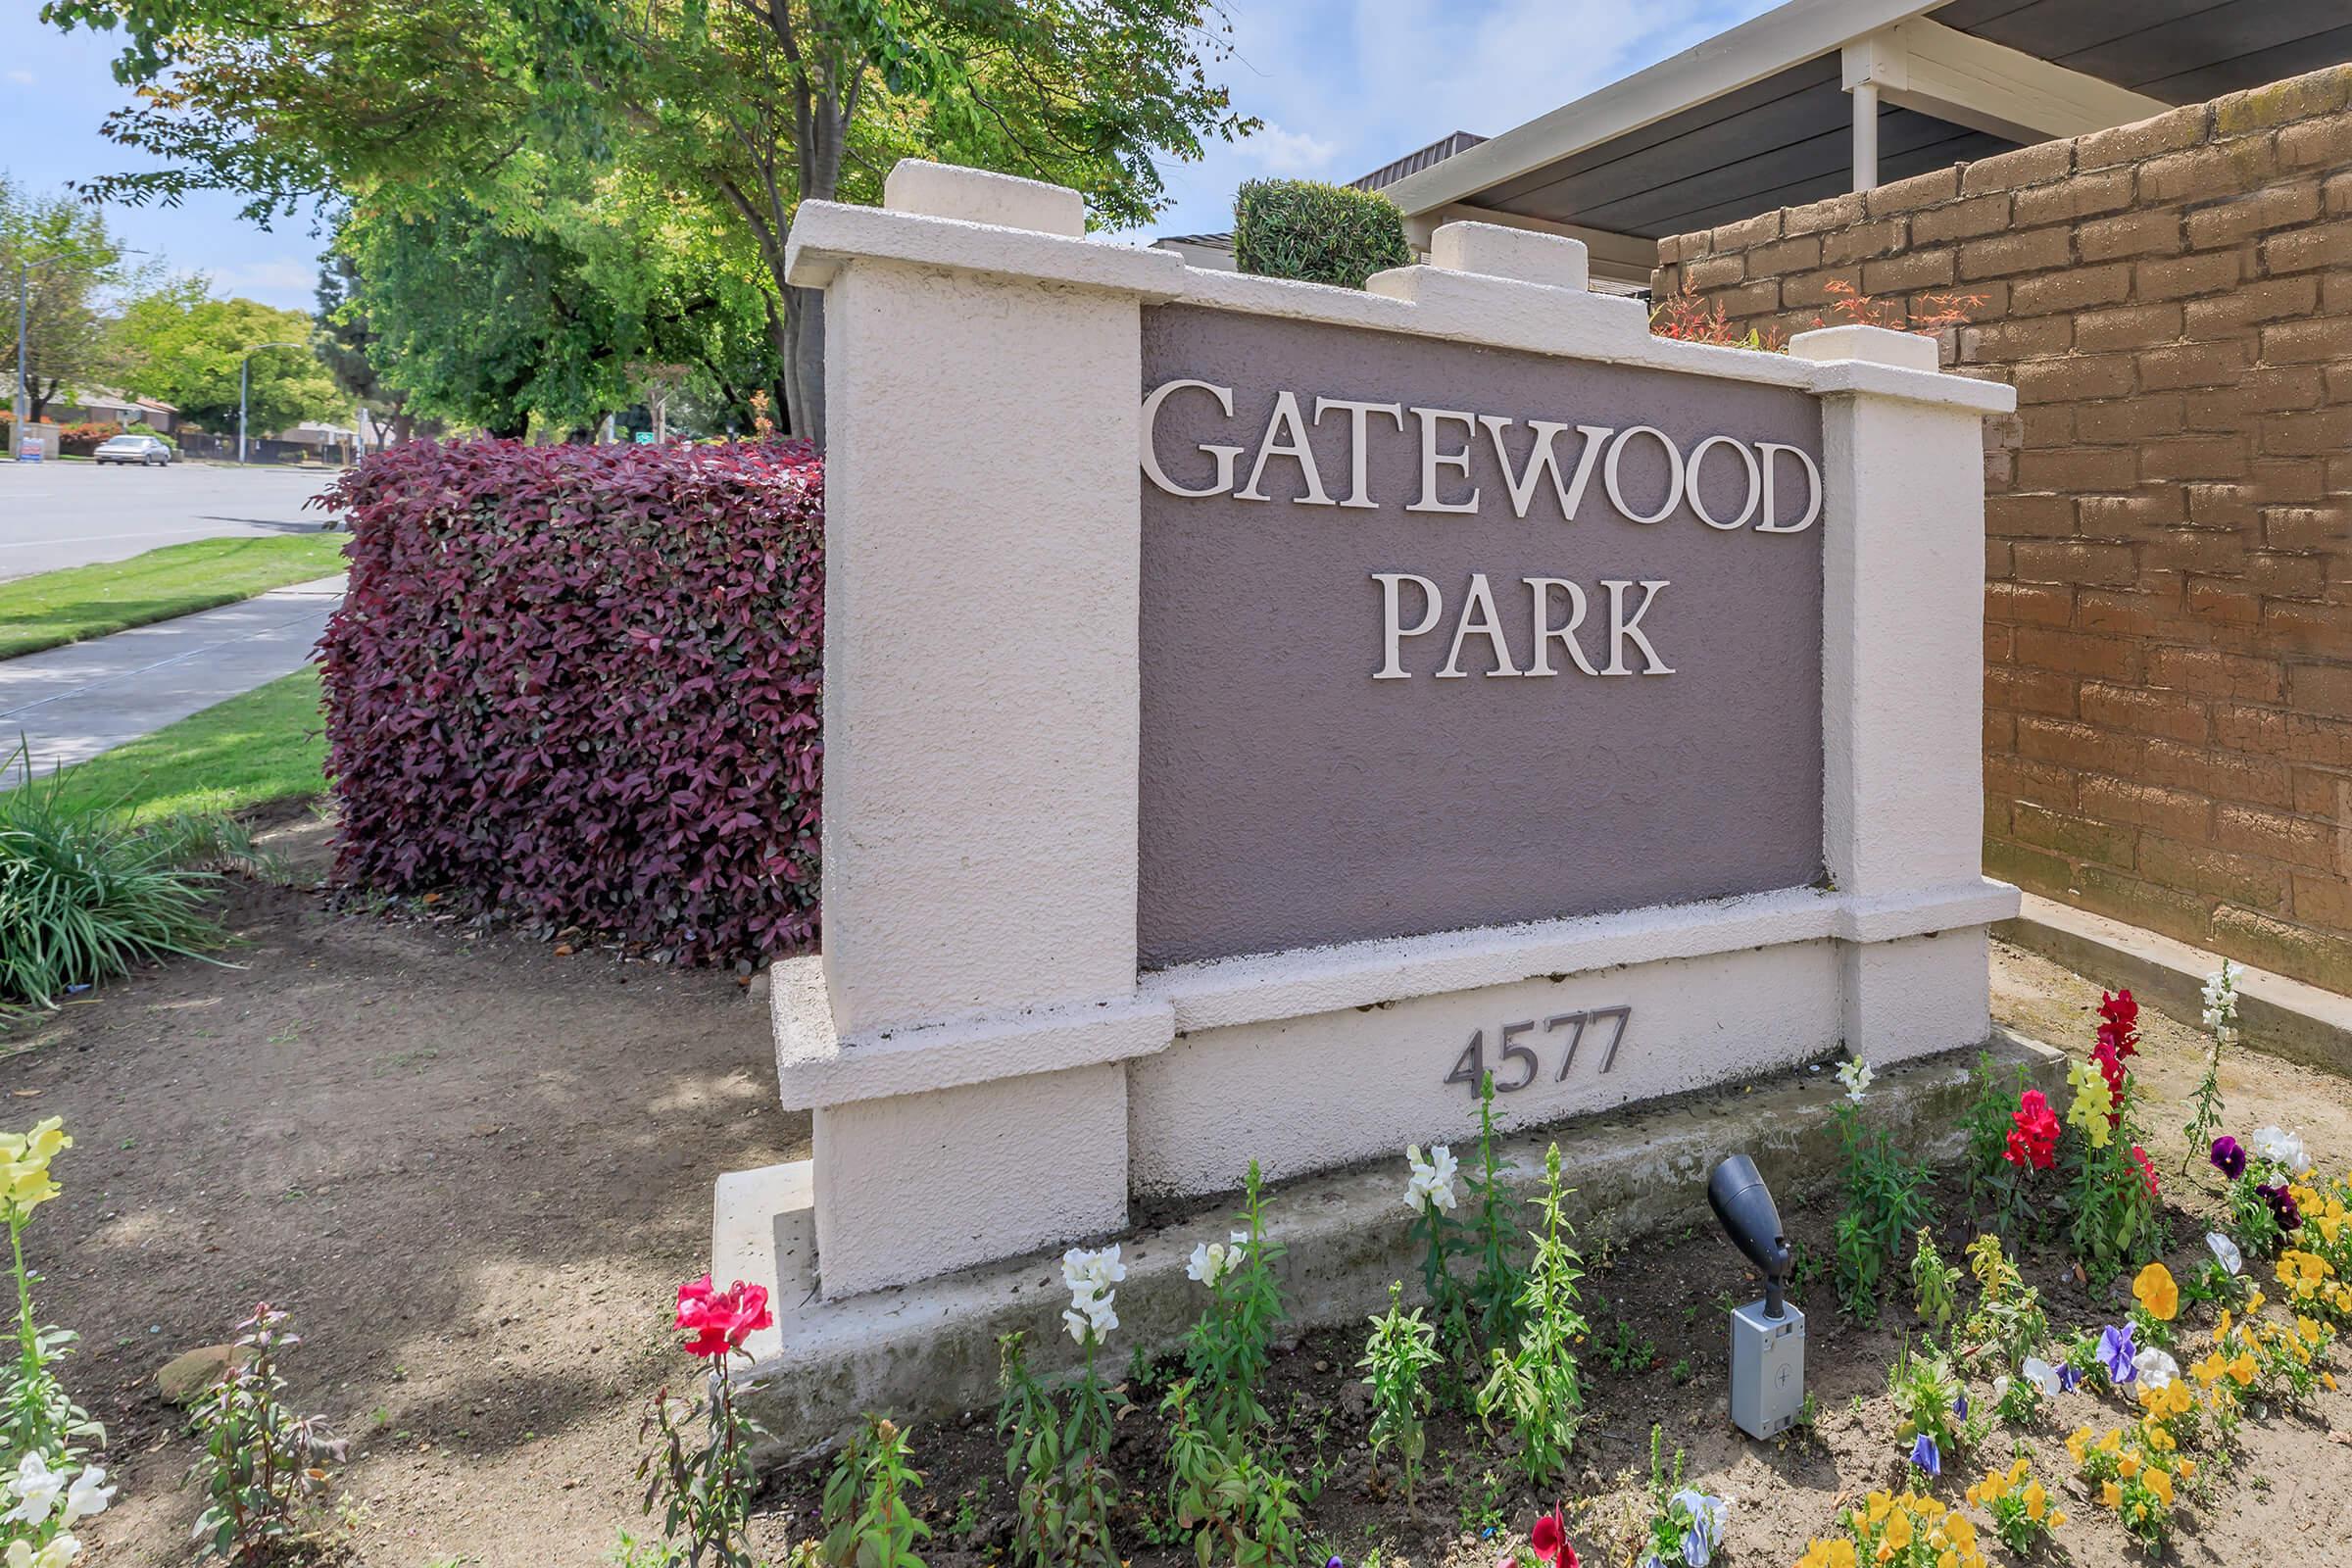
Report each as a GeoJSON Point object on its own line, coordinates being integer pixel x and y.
{"type": "Point", "coordinates": [982, 561]}
{"type": "Point", "coordinates": [1902, 678]}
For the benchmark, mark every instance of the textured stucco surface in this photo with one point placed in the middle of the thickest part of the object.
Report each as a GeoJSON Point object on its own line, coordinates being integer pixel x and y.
{"type": "Point", "coordinates": [917, 1185]}
{"type": "Point", "coordinates": [1289, 799]}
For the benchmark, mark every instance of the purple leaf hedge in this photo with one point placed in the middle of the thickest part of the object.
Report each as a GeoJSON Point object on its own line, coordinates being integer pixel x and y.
{"type": "Point", "coordinates": [579, 685]}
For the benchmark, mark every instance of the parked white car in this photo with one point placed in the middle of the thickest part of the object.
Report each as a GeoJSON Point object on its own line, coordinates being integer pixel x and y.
{"type": "Point", "coordinates": [129, 447]}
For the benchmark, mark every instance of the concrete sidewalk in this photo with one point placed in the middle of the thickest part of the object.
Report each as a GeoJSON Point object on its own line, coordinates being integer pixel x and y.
{"type": "Point", "coordinates": [75, 702]}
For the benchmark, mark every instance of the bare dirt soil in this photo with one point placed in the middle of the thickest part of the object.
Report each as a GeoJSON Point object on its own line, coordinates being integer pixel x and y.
{"type": "Point", "coordinates": [476, 1172]}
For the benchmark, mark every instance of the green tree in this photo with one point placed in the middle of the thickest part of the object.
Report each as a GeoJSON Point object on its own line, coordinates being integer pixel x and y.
{"type": "Point", "coordinates": [60, 252]}
{"type": "Point", "coordinates": [744, 107]}
{"type": "Point", "coordinates": [183, 346]}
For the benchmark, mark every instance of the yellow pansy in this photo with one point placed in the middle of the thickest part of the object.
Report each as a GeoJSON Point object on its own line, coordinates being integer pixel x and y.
{"type": "Point", "coordinates": [2111, 1495]}
{"type": "Point", "coordinates": [2160, 1482]}
{"type": "Point", "coordinates": [2037, 1499]}
{"type": "Point", "coordinates": [1898, 1531]}
{"type": "Point", "coordinates": [2241, 1367]}
{"type": "Point", "coordinates": [2156, 1290]}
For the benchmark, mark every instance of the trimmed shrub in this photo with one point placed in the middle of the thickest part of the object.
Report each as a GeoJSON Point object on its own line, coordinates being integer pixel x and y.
{"type": "Point", "coordinates": [83, 439]}
{"type": "Point", "coordinates": [1319, 233]}
{"type": "Point", "coordinates": [579, 685]}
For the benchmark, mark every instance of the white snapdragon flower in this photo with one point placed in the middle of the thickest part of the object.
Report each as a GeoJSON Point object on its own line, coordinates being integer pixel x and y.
{"type": "Point", "coordinates": [58, 1553]}
{"type": "Point", "coordinates": [2221, 996]}
{"type": "Point", "coordinates": [89, 1494]}
{"type": "Point", "coordinates": [2225, 1252]}
{"type": "Point", "coordinates": [2043, 1376]}
{"type": "Point", "coordinates": [2154, 1368]}
{"type": "Point", "coordinates": [1093, 1279]}
{"type": "Point", "coordinates": [2279, 1146]}
{"type": "Point", "coordinates": [1430, 1186]}
{"type": "Point", "coordinates": [1855, 1074]}
{"type": "Point", "coordinates": [36, 1488]}
{"type": "Point", "coordinates": [1211, 1262]}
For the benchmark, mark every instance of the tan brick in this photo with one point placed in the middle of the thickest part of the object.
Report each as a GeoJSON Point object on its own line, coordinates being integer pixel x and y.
{"type": "Point", "coordinates": [2201, 173]}
{"type": "Point", "coordinates": [2177, 277]}
{"type": "Point", "coordinates": [2074, 377]}
{"type": "Point", "coordinates": [2027, 166]}
{"type": "Point", "coordinates": [2224, 775]}
{"type": "Point", "coordinates": [2275, 835]}
{"type": "Point", "coordinates": [2141, 903]}
{"type": "Point", "coordinates": [2178, 814]}
{"type": "Point", "coordinates": [2092, 565]}
{"type": "Point", "coordinates": [2256, 937]}
{"type": "Point", "coordinates": [1813, 288]}
{"type": "Point", "coordinates": [2143, 712]}
{"type": "Point", "coordinates": [2082, 468]}
{"type": "Point", "coordinates": [2215, 674]}
{"type": "Point", "coordinates": [2132, 614]}
{"type": "Point", "coordinates": [2028, 691]}
{"type": "Point", "coordinates": [2149, 233]}
{"type": "Point", "coordinates": [1912, 269]}
{"type": "Point", "coordinates": [2325, 689]}
{"type": "Point", "coordinates": [2120, 517]}
{"type": "Point", "coordinates": [1785, 255]}
{"type": "Point", "coordinates": [1970, 216]}
{"type": "Point", "coordinates": [2317, 143]}
{"type": "Point", "coordinates": [2073, 289]}
{"type": "Point", "coordinates": [2086, 747]}
{"type": "Point", "coordinates": [2203, 550]}
{"type": "Point", "coordinates": [1936, 186]}
{"type": "Point", "coordinates": [2208, 870]}
{"type": "Point", "coordinates": [2077, 653]}
{"type": "Point", "coordinates": [2307, 628]}
{"type": "Point", "coordinates": [2126, 327]}
{"type": "Point", "coordinates": [1865, 240]}
{"type": "Point", "coordinates": [2034, 870]}
{"type": "Point", "coordinates": [2005, 342]}
{"type": "Point", "coordinates": [2305, 528]}
{"type": "Point", "coordinates": [1814, 218]}
{"type": "Point", "coordinates": [2047, 424]}
{"type": "Point", "coordinates": [2279, 206]}
{"type": "Point", "coordinates": [2076, 837]}
{"type": "Point", "coordinates": [2130, 419]}
{"type": "Point", "coordinates": [2320, 245]}
{"type": "Point", "coordinates": [2193, 363]}
{"type": "Point", "coordinates": [2335, 194]}
{"type": "Point", "coordinates": [2322, 901]}
{"type": "Point", "coordinates": [2294, 737]}
{"type": "Point", "coordinates": [2006, 255]}
{"type": "Point", "coordinates": [2143, 138]}
{"type": "Point", "coordinates": [1712, 272]}
{"type": "Point", "coordinates": [2225, 603]}
{"type": "Point", "coordinates": [2271, 300]}
{"type": "Point", "coordinates": [2327, 337]}
{"type": "Point", "coordinates": [2029, 517]}
{"type": "Point", "coordinates": [2279, 103]}
{"type": "Point", "coordinates": [2320, 431]}
{"type": "Point", "coordinates": [1746, 233]}
{"type": "Point", "coordinates": [2031, 604]}
{"type": "Point", "coordinates": [2081, 196]}
{"type": "Point", "coordinates": [2196, 458]}
{"type": "Point", "coordinates": [2017, 778]}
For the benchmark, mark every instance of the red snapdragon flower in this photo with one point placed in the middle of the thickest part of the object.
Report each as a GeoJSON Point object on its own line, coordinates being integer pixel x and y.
{"type": "Point", "coordinates": [2147, 1171]}
{"type": "Point", "coordinates": [722, 1320]}
{"type": "Point", "coordinates": [2033, 1135]}
{"type": "Point", "coordinates": [2119, 1029]}
{"type": "Point", "coordinates": [1550, 1541]}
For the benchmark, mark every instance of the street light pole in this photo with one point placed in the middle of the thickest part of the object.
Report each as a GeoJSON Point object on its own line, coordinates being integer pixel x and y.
{"type": "Point", "coordinates": [244, 365]}
{"type": "Point", "coordinates": [23, 407]}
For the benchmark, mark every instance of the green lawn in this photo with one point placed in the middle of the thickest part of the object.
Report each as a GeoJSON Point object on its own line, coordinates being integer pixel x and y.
{"type": "Point", "coordinates": [54, 608]}
{"type": "Point", "coordinates": [268, 745]}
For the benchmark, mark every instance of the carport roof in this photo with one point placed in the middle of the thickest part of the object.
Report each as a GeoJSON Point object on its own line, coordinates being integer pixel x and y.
{"type": "Point", "coordinates": [1759, 116]}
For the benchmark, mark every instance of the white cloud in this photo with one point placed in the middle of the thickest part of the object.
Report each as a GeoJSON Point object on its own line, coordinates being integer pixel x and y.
{"type": "Point", "coordinates": [286, 282]}
{"type": "Point", "coordinates": [1290, 152]}
{"type": "Point", "coordinates": [23, 78]}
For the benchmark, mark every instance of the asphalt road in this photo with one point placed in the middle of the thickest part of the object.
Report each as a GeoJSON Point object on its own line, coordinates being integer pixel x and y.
{"type": "Point", "coordinates": [56, 515]}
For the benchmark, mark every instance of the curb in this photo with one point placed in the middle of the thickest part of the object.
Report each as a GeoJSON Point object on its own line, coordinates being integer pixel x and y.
{"type": "Point", "coordinates": [2277, 1015]}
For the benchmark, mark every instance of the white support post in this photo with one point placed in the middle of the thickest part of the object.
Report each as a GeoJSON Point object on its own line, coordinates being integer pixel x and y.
{"type": "Point", "coordinates": [1866, 135]}
{"type": "Point", "coordinates": [1902, 679]}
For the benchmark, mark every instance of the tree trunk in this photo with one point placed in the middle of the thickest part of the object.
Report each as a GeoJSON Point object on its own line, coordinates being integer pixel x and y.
{"type": "Point", "coordinates": [805, 361]}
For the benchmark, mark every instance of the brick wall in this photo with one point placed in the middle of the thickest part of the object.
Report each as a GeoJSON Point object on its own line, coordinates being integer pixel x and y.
{"type": "Point", "coordinates": [2169, 566]}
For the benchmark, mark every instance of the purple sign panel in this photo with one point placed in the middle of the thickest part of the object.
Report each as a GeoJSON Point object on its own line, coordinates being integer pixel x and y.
{"type": "Point", "coordinates": [1437, 636]}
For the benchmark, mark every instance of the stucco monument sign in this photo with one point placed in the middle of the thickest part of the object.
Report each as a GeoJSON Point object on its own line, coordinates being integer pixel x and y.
{"type": "Point", "coordinates": [1254, 710]}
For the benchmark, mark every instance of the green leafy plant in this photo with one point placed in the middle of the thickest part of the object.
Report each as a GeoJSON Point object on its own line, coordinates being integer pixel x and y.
{"type": "Point", "coordinates": [1534, 1383]}
{"type": "Point", "coordinates": [1059, 1467]}
{"type": "Point", "coordinates": [1686, 1526]}
{"type": "Point", "coordinates": [2007, 1323]}
{"type": "Point", "coordinates": [1497, 1296]}
{"type": "Point", "coordinates": [1315, 232]}
{"type": "Point", "coordinates": [1236, 1508]}
{"type": "Point", "coordinates": [1885, 1198]}
{"type": "Point", "coordinates": [1626, 1350]}
{"type": "Point", "coordinates": [1232, 1343]}
{"type": "Point", "coordinates": [1431, 1191]}
{"type": "Point", "coordinates": [1400, 1349]}
{"type": "Point", "coordinates": [865, 1509]}
{"type": "Point", "coordinates": [261, 1465]}
{"type": "Point", "coordinates": [1997, 1184]}
{"type": "Point", "coordinates": [1932, 1423]}
{"type": "Point", "coordinates": [1935, 1284]}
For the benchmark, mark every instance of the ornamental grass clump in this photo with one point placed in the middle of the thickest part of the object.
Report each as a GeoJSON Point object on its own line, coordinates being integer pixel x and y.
{"type": "Point", "coordinates": [88, 893]}
{"type": "Point", "coordinates": [704, 1485]}
{"type": "Point", "coordinates": [51, 1486]}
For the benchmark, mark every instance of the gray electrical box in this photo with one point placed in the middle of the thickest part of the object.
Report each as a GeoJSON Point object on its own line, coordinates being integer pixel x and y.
{"type": "Point", "coordinates": [1768, 1369]}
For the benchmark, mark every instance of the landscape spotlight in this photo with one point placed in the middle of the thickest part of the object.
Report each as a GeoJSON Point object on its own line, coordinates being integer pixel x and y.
{"type": "Point", "coordinates": [1768, 1336]}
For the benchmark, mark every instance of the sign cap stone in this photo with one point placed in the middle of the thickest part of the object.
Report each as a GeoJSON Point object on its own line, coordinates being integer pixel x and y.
{"type": "Point", "coordinates": [981, 196]}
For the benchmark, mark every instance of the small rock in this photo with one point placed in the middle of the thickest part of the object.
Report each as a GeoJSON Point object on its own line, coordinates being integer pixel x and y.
{"type": "Point", "coordinates": [184, 1377]}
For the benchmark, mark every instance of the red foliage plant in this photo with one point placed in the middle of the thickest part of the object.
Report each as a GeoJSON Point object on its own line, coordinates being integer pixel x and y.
{"type": "Point", "coordinates": [579, 685]}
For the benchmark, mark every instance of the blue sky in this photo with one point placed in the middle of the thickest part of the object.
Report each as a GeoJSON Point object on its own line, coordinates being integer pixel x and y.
{"type": "Point", "coordinates": [1343, 86]}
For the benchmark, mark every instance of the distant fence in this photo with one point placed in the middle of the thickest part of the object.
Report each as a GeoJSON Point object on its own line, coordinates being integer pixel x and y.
{"type": "Point", "coordinates": [260, 449]}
